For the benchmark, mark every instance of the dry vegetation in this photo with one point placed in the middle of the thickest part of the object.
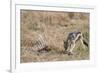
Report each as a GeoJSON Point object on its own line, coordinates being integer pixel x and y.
{"type": "Point", "coordinates": [54, 26]}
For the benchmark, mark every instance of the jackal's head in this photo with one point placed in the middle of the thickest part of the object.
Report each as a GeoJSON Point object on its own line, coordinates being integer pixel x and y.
{"type": "Point", "coordinates": [65, 45]}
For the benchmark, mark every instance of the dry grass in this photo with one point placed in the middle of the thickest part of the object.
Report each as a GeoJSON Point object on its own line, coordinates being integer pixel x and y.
{"type": "Point", "coordinates": [54, 26]}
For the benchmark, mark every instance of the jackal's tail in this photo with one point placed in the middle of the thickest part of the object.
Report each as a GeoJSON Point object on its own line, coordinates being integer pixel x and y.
{"type": "Point", "coordinates": [85, 42]}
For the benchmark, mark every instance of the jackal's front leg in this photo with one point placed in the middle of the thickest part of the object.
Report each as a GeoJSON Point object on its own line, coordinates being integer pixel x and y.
{"type": "Point", "coordinates": [82, 42]}
{"type": "Point", "coordinates": [70, 49]}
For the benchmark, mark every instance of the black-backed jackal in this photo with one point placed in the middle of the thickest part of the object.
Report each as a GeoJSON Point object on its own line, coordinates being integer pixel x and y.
{"type": "Point", "coordinates": [71, 41]}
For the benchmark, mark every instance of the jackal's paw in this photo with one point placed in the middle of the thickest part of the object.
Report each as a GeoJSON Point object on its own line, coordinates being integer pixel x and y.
{"type": "Point", "coordinates": [70, 53]}
{"type": "Point", "coordinates": [67, 52]}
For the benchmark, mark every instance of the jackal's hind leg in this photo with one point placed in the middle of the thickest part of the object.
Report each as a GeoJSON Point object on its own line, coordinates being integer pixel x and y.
{"type": "Point", "coordinates": [84, 47]}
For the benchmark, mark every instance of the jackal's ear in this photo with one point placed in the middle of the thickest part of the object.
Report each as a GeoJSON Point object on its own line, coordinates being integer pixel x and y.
{"type": "Point", "coordinates": [64, 41]}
